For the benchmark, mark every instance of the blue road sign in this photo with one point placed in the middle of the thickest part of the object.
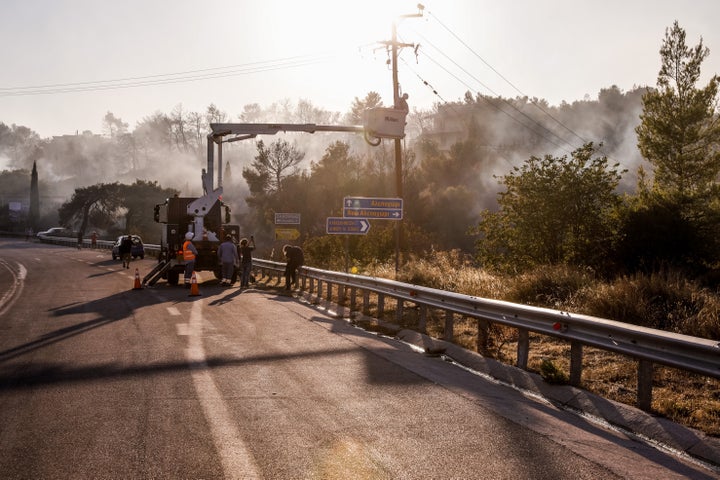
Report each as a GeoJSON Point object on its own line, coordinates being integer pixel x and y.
{"type": "Point", "coordinates": [350, 226]}
{"type": "Point", "coordinates": [376, 208]}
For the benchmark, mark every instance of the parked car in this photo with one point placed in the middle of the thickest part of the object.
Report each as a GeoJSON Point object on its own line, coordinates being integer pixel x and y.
{"type": "Point", "coordinates": [56, 232]}
{"type": "Point", "coordinates": [137, 250]}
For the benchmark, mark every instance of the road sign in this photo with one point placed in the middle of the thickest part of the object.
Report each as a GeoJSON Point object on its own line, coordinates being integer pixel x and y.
{"type": "Point", "coordinates": [287, 233]}
{"type": "Point", "coordinates": [287, 219]}
{"type": "Point", "coordinates": [350, 226]}
{"type": "Point", "coordinates": [375, 208]}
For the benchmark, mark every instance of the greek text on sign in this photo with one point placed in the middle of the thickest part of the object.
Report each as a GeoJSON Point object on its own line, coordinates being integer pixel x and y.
{"type": "Point", "coordinates": [349, 226]}
{"type": "Point", "coordinates": [287, 219]}
{"type": "Point", "coordinates": [369, 207]}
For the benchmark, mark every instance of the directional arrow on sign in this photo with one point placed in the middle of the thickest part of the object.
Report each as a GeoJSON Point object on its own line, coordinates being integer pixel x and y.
{"type": "Point", "coordinates": [373, 207]}
{"type": "Point", "coordinates": [350, 226]}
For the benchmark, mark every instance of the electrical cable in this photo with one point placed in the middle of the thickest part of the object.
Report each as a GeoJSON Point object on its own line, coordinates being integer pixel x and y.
{"type": "Point", "coordinates": [164, 79]}
{"type": "Point", "coordinates": [496, 107]}
{"type": "Point", "coordinates": [463, 69]}
{"type": "Point", "coordinates": [459, 114]}
{"type": "Point", "coordinates": [434, 17]}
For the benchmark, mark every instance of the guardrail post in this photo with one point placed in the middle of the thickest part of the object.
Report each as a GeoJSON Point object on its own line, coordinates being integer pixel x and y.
{"type": "Point", "coordinates": [353, 298]}
{"type": "Point", "coordinates": [644, 381]}
{"type": "Point", "coordinates": [366, 302]}
{"type": "Point", "coordinates": [483, 336]}
{"type": "Point", "coordinates": [329, 291]}
{"type": "Point", "coordinates": [341, 294]}
{"type": "Point", "coordinates": [449, 325]}
{"type": "Point", "coordinates": [312, 285]}
{"type": "Point", "coordinates": [381, 305]}
{"type": "Point", "coordinates": [576, 353]}
{"type": "Point", "coordinates": [422, 322]}
{"type": "Point", "coordinates": [523, 348]}
{"type": "Point", "coordinates": [399, 311]}
{"type": "Point", "coordinates": [319, 289]}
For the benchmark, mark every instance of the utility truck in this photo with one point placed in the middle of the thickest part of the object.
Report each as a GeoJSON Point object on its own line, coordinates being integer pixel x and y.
{"type": "Point", "coordinates": [208, 218]}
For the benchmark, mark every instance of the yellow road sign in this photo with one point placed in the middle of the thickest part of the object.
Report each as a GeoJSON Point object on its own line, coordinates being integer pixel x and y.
{"type": "Point", "coordinates": [287, 233]}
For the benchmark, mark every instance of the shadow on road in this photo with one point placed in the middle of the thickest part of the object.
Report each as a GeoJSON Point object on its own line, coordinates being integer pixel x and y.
{"type": "Point", "coordinates": [107, 312]}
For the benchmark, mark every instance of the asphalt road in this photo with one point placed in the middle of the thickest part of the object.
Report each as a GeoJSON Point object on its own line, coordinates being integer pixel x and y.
{"type": "Point", "coordinates": [101, 381]}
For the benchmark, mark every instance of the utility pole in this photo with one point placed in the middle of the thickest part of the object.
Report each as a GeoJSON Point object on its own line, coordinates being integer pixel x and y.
{"type": "Point", "coordinates": [395, 47]}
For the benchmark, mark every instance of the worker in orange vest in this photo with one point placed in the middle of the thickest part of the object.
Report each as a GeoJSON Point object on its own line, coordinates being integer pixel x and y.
{"type": "Point", "coordinates": [189, 255]}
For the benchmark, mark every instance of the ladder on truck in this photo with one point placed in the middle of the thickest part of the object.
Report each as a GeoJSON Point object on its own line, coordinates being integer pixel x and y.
{"type": "Point", "coordinates": [156, 273]}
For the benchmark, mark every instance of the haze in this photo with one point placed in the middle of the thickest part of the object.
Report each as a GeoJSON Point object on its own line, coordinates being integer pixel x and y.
{"type": "Point", "coordinates": [67, 63]}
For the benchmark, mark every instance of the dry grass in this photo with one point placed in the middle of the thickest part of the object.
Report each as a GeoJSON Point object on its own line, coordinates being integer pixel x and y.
{"type": "Point", "coordinates": [664, 300]}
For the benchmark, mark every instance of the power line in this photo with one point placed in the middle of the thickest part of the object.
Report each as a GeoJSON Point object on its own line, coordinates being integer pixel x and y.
{"type": "Point", "coordinates": [461, 117]}
{"type": "Point", "coordinates": [164, 79]}
{"type": "Point", "coordinates": [505, 79]}
{"type": "Point", "coordinates": [496, 107]}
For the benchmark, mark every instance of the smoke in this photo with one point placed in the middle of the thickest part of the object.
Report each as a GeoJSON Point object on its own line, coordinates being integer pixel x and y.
{"type": "Point", "coordinates": [4, 162]}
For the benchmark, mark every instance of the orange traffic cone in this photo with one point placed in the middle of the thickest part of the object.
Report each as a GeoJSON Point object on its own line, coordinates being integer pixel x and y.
{"type": "Point", "coordinates": [194, 291]}
{"type": "Point", "coordinates": [137, 285]}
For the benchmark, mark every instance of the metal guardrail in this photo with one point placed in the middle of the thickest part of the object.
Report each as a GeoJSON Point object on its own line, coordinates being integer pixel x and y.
{"type": "Point", "coordinates": [648, 346]}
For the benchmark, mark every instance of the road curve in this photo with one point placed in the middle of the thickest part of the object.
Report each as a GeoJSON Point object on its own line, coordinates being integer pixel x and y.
{"type": "Point", "coordinates": [99, 380]}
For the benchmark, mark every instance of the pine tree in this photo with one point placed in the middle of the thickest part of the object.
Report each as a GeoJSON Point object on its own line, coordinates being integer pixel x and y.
{"type": "Point", "coordinates": [679, 130]}
{"type": "Point", "coordinates": [34, 213]}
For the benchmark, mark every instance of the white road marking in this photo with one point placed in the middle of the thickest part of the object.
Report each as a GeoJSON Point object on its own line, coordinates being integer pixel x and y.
{"type": "Point", "coordinates": [173, 311]}
{"type": "Point", "coordinates": [236, 460]}
{"type": "Point", "coordinates": [15, 289]}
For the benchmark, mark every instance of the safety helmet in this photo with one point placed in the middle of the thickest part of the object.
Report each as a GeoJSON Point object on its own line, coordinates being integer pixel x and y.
{"type": "Point", "coordinates": [189, 235]}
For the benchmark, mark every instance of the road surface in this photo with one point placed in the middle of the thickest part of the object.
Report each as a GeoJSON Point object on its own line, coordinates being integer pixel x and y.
{"type": "Point", "coordinates": [102, 381]}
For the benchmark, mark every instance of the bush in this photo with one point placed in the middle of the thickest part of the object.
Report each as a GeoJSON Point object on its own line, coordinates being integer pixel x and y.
{"type": "Point", "coordinates": [549, 286]}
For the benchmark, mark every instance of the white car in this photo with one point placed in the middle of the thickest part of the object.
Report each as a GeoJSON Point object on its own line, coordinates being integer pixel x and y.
{"type": "Point", "coordinates": [55, 232]}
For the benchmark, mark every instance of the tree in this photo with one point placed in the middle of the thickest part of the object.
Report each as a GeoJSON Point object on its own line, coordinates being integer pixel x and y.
{"type": "Point", "coordinates": [214, 115]}
{"type": "Point", "coordinates": [18, 143]}
{"type": "Point", "coordinates": [252, 113]}
{"type": "Point", "coordinates": [197, 131]}
{"type": "Point", "coordinates": [553, 211]}
{"type": "Point", "coordinates": [449, 192]}
{"type": "Point", "coordinates": [99, 201]}
{"type": "Point", "coordinates": [676, 222]}
{"type": "Point", "coordinates": [114, 126]}
{"type": "Point", "coordinates": [34, 211]}
{"type": "Point", "coordinates": [178, 126]}
{"type": "Point", "coordinates": [371, 100]}
{"type": "Point", "coordinates": [679, 130]}
{"type": "Point", "coordinates": [153, 134]}
{"type": "Point", "coordinates": [266, 178]}
{"type": "Point", "coordinates": [276, 162]}
{"type": "Point", "coordinates": [331, 178]}
{"type": "Point", "coordinates": [137, 202]}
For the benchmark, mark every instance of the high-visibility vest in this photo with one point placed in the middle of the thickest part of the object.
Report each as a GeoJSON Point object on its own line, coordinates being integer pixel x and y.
{"type": "Point", "coordinates": [187, 253]}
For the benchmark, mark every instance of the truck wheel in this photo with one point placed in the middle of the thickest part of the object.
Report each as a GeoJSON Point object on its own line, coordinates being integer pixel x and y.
{"type": "Point", "coordinates": [173, 277]}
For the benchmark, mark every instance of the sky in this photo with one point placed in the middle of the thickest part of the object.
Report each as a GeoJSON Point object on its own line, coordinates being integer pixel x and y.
{"type": "Point", "coordinates": [65, 63]}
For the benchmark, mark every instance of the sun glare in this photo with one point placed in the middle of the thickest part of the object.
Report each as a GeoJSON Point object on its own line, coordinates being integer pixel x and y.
{"type": "Point", "coordinates": [335, 24]}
